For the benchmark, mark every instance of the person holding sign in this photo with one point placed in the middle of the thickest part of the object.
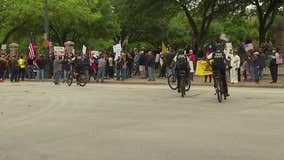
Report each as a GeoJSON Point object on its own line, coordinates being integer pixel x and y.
{"type": "Point", "coordinates": [273, 66]}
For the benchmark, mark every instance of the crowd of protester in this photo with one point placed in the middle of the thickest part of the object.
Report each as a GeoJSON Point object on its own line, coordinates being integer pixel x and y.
{"type": "Point", "coordinates": [136, 62]}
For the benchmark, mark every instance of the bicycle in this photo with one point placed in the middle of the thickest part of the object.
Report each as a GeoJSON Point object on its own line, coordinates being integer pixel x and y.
{"type": "Point", "coordinates": [219, 87]}
{"type": "Point", "coordinates": [185, 83]}
{"type": "Point", "coordinates": [81, 79]}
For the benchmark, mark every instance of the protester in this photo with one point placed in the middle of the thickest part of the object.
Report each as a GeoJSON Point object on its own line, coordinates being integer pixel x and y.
{"type": "Point", "coordinates": [245, 69]}
{"type": "Point", "coordinates": [40, 65]}
{"type": "Point", "coordinates": [274, 66]}
{"type": "Point", "coordinates": [2, 68]}
{"type": "Point", "coordinates": [14, 69]}
{"type": "Point", "coordinates": [93, 67]}
{"type": "Point", "coordinates": [30, 66]}
{"type": "Point", "coordinates": [57, 69]}
{"type": "Point", "coordinates": [130, 64]}
{"type": "Point", "coordinates": [101, 69]}
{"type": "Point", "coordinates": [151, 66]}
{"type": "Point", "coordinates": [142, 64]}
{"type": "Point", "coordinates": [256, 66]}
{"type": "Point", "coordinates": [235, 65]}
{"type": "Point", "coordinates": [110, 66]}
{"type": "Point", "coordinates": [66, 67]}
{"type": "Point", "coordinates": [22, 67]}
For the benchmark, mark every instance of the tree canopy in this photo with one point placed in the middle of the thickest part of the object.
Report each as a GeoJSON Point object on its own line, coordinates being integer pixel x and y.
{"type": "Point", "coordinates": [145, 23]}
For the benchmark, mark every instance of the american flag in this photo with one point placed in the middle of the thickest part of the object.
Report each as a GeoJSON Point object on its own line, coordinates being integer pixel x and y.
{"type": "Point", "coordinates": [32, 51]}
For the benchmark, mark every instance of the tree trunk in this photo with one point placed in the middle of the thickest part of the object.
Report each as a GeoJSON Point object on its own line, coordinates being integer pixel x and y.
{"type": "Point", "coordinates": [262, 35]}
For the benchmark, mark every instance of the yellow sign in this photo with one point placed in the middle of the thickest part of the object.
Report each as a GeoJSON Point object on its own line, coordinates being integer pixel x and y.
{"type": "Point", "coordinates": [203, 68]}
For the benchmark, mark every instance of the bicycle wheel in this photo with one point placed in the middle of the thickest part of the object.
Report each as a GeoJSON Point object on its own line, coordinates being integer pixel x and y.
{"type": "Point", "coordinates": [82, 80]}
{"type": "Point", "coordinates": [69, 80]}
{"type": "Point", "coordinates": [223, 91]}
{"type": "Point", "coordinates": [219, 90]}
{"type": "Point", "coordinates": [182, 87]}
{"type": "Point", "coordinates": [172, 81]}
{"type": "Point", "coordinates": [187, 85]}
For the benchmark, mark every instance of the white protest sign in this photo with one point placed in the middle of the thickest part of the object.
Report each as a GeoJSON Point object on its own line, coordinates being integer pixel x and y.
{"type": "Point", "coordinates": [59, 51]}
{"type": "Point", "coordinates": [84, 50]}
{"type": "Point", "coordinates": [4, 46]}
{"type": "Point", "coordinates": [118, 50]}
{"type": "Point", "coordinates": [96, 53]}
{"type": "Point", "coordinates": [229, 46]}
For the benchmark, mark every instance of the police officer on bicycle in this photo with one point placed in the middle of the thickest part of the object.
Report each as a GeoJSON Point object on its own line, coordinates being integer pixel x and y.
{"type": "Point", "coordinates": [219, 66]}
{"type": "Point", "coordinates": [78, 65]}
{"type": "Point", "coordinates": [181, 63]}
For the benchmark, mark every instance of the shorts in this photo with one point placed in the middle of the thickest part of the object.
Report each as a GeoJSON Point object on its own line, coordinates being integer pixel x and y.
{"type": "Point", "coordinates": [141, 68]}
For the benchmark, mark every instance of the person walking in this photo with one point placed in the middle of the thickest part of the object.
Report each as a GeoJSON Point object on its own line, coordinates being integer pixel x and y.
{"type": "Point", "coordinates": [235, 65]}
{"type": "Point", "coordinates": [273, 66]}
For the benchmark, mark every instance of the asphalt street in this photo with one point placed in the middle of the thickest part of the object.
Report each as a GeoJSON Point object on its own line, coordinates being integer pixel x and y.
{"type": "Point", "coordinates": [40, 121]}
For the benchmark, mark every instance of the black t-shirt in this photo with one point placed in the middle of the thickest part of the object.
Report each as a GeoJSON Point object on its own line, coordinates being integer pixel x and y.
{"type": "Point", "coordinates": [219, 59]}
{"type": "Point", "coordinates": [30, 62]}
{"type": "Point", "coordinates": [41, 63]}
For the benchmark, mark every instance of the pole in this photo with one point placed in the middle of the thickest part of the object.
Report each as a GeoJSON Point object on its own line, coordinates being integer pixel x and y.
{"type": "Point", "coordinates": [46, 23]}
{"type": "Point", "coordinates": [46, 27]}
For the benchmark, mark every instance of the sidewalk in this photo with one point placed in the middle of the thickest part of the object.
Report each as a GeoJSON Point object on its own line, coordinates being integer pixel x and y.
{"type": "Point", "coordinates": [198, 81]}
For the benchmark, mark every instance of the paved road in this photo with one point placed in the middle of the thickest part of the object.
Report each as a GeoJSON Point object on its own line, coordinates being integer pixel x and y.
{"type": "Point", "coordinates": [40, 121]}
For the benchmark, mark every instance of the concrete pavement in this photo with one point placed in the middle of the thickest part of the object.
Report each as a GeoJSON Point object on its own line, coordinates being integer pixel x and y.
{"type": "Point", "coordinates": [40, 121]}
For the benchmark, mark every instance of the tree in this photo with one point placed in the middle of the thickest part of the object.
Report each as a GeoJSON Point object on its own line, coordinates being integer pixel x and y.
{"type": "Point", "coordinates": [206, 11]}
{"type": "Point", "coordinates": [266, 10]}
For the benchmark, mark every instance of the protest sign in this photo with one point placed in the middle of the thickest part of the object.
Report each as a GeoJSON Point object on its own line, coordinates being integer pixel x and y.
{"type": "Point", "coordinates": [59, 51]}
{"type": "Point", "coordinates": [203, 68]}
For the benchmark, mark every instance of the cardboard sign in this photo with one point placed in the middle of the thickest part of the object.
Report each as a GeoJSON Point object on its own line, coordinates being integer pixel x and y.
{"type": "Point", "coordinates": [59, 51]}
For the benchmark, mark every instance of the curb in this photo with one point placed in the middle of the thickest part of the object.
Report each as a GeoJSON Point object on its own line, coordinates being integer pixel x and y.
{"type": "Point", "coordinates": [240, 85]}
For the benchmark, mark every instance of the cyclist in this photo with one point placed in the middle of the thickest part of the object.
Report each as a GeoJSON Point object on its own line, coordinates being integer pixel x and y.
{"type": "Point", "coordinates": [219, 66]}
{"type": "Point", "coordinates": [78, 66]}
{"type": "Point", "coordinates": [181, 63]}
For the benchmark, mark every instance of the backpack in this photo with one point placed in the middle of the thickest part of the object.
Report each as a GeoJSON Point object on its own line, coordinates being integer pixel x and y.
{"type": "Point", "coordinates": [181, 62]}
